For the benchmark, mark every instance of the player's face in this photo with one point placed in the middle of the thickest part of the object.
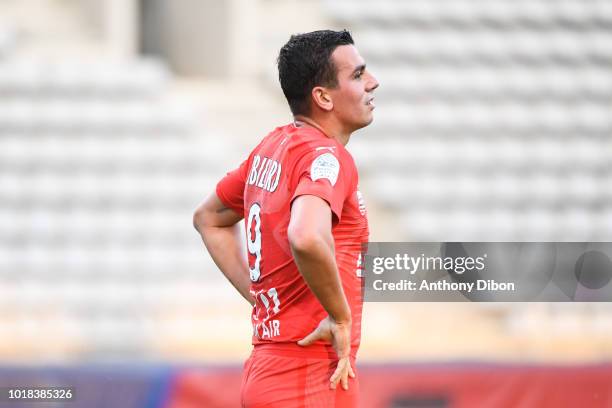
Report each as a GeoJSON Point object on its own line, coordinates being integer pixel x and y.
{"type": "Point", "coordinates": [353, 97]}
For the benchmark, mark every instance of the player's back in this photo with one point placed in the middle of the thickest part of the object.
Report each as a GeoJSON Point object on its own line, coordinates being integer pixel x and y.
{"type": "Point", "coordinates": [289, 162]}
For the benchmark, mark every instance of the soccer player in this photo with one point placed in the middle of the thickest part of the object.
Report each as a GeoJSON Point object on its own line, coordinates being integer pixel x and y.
{"type": "Point", "coordinates": [305, 225]}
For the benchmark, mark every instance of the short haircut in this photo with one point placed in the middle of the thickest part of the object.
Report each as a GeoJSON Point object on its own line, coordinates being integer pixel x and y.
{"type": "Point", "coordinates": [304, 62]}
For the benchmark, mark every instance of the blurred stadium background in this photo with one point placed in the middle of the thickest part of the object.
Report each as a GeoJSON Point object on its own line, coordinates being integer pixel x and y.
{"type": "Point", "coordinates": [493, 123]}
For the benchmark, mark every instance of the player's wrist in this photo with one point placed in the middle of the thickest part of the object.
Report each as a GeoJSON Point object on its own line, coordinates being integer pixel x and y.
{"type": "Point", "coordinates": [342, 320]}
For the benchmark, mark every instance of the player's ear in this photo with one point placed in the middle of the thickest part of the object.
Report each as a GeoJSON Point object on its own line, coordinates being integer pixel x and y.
{"type": "Point", "coordinates": [322, 98]}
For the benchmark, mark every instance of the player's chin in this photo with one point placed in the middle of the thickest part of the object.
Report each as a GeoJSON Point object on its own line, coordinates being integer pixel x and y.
{"type": "Point", "coordinates": [363, 123]}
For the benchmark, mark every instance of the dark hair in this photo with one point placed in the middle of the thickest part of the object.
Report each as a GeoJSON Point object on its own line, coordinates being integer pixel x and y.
{"type": "Point", "coordinates": [305, 62]}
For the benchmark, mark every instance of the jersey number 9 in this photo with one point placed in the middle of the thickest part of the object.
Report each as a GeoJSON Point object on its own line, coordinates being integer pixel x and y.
{"type": "Point", "coordinates": [254, 240]}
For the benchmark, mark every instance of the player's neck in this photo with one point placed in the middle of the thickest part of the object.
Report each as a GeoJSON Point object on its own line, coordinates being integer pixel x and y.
{"type": "Point", "coordinates": [326, 128]}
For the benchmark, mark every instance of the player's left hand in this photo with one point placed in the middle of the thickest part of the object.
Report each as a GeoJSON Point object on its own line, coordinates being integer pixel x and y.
{"type": "Point", "coordinates": [339, 334]}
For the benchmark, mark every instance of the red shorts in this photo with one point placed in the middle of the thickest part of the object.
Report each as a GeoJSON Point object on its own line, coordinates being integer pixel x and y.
{"type": "Point", "coordinates": [281, 380]}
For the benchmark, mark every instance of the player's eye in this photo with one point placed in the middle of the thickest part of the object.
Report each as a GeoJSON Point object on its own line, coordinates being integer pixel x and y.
{"type": "Point", "coordinates": [358, 74]}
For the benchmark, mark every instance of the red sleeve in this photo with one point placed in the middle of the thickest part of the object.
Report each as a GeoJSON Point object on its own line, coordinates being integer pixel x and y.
{"type": "Point", "coordinates": [230, 189]}
{"type": "Point", "coordinates": [324, 174]}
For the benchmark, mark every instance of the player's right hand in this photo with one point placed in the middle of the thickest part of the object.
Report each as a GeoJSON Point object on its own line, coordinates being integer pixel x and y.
{"type": "Point", "coordinates": [339, 334]}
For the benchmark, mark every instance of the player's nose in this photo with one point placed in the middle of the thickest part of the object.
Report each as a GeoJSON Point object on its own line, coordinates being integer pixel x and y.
{"type": "Point", "coordinates": [372, 83]}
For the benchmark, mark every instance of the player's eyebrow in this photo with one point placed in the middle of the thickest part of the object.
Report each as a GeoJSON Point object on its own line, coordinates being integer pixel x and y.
{"type": "Point", "coordinates": [358, 68]}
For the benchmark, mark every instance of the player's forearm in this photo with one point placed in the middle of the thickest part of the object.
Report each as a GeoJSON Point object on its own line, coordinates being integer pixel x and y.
{"type": "Point", "coordinates": [316, 262]}
{"type": "Point", "coordinates": [225, 247]}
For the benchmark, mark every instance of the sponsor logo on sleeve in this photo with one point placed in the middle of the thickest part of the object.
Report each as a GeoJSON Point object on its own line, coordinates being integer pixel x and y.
{"type": "Point", "coordinates": [325, 166]}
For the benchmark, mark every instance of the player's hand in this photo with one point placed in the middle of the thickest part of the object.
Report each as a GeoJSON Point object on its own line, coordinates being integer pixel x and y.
{"type": "Point", "coordinates": [339, 334]}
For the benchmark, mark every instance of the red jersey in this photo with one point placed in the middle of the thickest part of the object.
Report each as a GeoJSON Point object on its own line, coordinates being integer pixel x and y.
{"type": "Point", "coordinates": [289, 162]}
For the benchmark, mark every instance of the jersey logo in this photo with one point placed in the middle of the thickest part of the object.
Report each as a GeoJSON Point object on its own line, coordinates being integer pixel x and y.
{"type": "Point", "coordinates": [325, 166]}
{"type": "Point", "coordinates": [361, 202]}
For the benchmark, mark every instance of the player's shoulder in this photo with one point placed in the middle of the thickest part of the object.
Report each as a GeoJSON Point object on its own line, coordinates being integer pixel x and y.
{"type": "Point", "coordinates": [308, 141]}
{"type": "Point", "coordinates": [307, 138]}
{"type": "Point", "coordinates": [272, 136]}
{"type": "Point", "coordinates": [266, 143]}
